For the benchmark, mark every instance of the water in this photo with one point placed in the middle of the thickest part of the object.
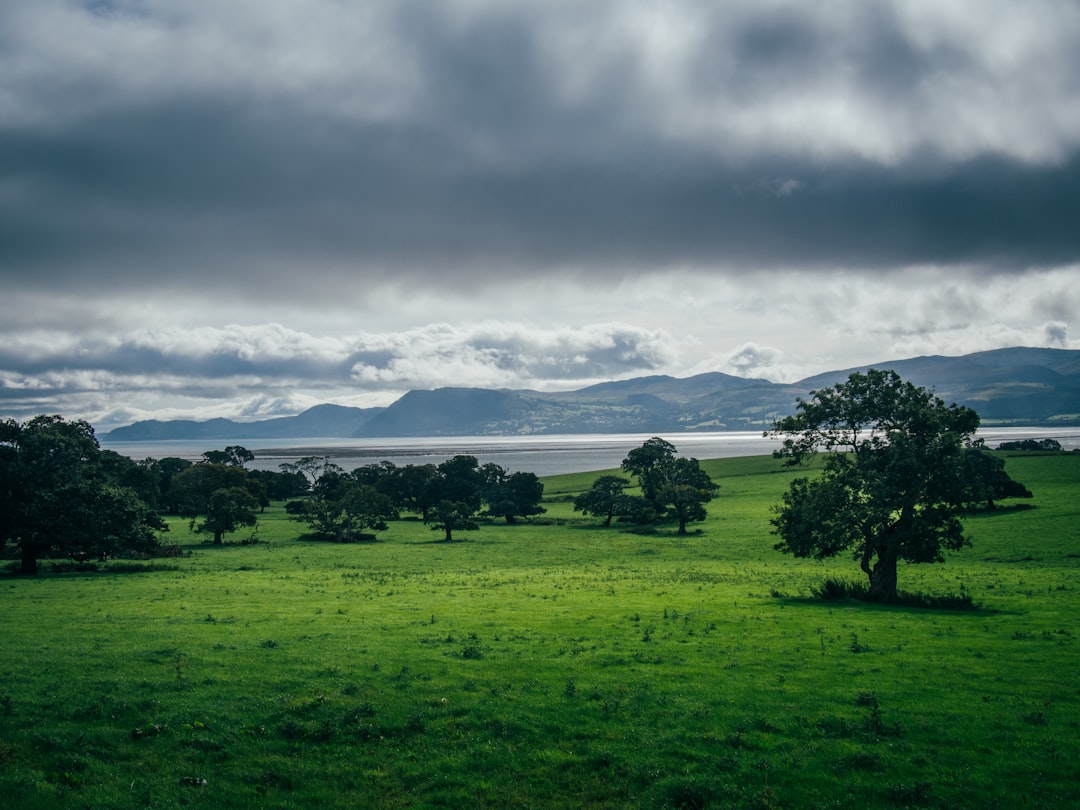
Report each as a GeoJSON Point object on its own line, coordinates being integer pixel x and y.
{"type": "Point", "coordinates": [543, 455]}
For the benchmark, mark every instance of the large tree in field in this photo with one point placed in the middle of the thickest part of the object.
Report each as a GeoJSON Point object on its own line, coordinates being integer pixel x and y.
{"type": "Point", "coordinates": [60, 495]}
{"type": "Point", "coordinates": [896, 476]}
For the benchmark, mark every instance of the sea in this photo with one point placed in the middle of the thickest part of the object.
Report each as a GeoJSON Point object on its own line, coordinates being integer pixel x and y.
{"type": "Point", "coordinates": [542, 455]}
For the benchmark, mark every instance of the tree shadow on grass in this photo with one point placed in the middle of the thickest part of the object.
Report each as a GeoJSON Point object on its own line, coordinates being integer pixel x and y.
{"type": "Point", "coordinates": [845, 593]}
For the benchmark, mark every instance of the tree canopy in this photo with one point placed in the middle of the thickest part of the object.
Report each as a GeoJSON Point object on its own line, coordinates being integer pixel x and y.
{"type": "Point", "coordinates": [223, 495]}
{"type": "Point", "coordinates": [671, 487]}
{"type": "Point", "coordinates": [896, 479]}
{"type": "Point", "coordinates": [61, 494]}
{"type": "Point", "coordinates": [339, 506]}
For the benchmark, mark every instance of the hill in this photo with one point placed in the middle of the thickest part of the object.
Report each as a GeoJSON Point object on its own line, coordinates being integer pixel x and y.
{"type": "Point", "coordinates": [1022, 386]}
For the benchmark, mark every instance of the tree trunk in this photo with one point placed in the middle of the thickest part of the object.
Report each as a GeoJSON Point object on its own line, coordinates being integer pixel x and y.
{"type": "Point", "coordinates": [29, 559]}
{"type": "Point", "coordinates": [682, 525]}
{"type": "Point", "coordinates": [217, 538]}
{"type": "Point", "coordinates": [449, 538]}
{"type": "Point", "coordinates": [883, 575]}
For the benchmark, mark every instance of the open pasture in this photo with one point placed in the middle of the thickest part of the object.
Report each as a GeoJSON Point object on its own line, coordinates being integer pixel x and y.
{"type": "Point", "coordinates": [552, 664]}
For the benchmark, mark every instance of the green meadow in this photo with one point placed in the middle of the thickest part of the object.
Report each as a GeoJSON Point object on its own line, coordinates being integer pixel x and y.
{"type": "Point", "coordinates": [549, 664]}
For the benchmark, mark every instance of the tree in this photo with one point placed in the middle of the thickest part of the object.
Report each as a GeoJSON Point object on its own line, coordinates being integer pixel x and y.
{"type": "Point", "coordinates": [1039, 445]}
{"type": "Point", "coordinates": [671, 487]}
{"type": "Point", "coordinates": [988, 480]}
{"type": "Point", "coordinates": [511, 495]}
{"type": "Point", "coordinates": [227, 509]}
{"type": "Point", "coordinates": [452, 516]}
{"type": "Point", "coordinates": [651, 463]}
{"type": "Point", "coordinates": [342, 509]}
{"type": "Point", "coordinates": [232, 456]}
{"type": "Point", "coordinates": [895, 479]}
{"type": "Point", "coordinates": [605, 498]}
{"type": "Point", "coordinates": [222, 494]}
{"type": "Point", "coordinates": [686, 491]}
{"type": "Point", "coordinates": [57, 495]}
{"type": "Point", "coordinates": [452, 496]}
{"type": "Point", "coordinates": [280, 486]}
{"type": "Point", "coordinates": [166, 469]}
{"type": "Point", "coordinates": [407, 487]}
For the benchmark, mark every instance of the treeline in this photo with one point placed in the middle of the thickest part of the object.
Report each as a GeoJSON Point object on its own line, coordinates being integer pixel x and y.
{"type": "Point", "coordinates": [349, 506]}
{"type": "Point", "coordinates": [62, 495]}
{"type": "Point", "coordinates": [1036, 445]}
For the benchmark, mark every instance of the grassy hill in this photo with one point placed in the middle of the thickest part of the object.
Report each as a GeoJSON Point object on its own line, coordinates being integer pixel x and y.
{"type": "Point", "coordinates": [552, 664]}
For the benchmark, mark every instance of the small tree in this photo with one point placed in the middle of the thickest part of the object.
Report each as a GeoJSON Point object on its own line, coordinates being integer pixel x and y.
{"type": "Point", "coordinates": [511, 495]}
{"type": "Point", "coordinates": [452, 516]}
{"type": "Point", "coordinates": [651, 463]}
{"type": "Point", "coordinates": [222, 494]}
{"type": "Point", "coordinates": [671, 487]}
{"type": "Point", "coordinates": [895, 481]}
{"type": "Point", "coordinates": [452, 496]}
{"type": "Point", "coordinates": [605, 498]}
{"type": "Point", "coordinates": [988, 480]}
{"type": "Point", "coordinates": [686, 492]}
{"type": "Point", "coordinates": [227, 509]}
{"type": "Point", "coordinates": [341, 509]}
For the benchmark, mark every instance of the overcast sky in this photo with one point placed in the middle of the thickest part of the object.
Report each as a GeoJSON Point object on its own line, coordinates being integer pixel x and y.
{"type": "Point", "coordinates": [246, 208]}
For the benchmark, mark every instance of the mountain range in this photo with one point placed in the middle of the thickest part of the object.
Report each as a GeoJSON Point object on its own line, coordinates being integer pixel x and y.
{"type": "Point", "coordinates": [1017, 386]}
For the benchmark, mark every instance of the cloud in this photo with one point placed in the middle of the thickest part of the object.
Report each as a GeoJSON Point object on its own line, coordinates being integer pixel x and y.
{"type": "Point", "coordinates": [261, 149]}
{"type": "Point", "coordinates": [504, 354]}
{"type": "Point", "coordinates": [270, 369]}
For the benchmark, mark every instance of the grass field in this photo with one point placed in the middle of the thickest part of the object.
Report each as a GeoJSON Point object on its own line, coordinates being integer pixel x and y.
{"type": "Point", "coordinates": [552, 664]}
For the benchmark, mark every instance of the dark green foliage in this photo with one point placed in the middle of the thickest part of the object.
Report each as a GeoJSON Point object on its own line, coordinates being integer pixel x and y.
{"type": "Point", "coordinates": [511, 495]}
{"type": "Point", "coordinates": [226, 511]}
{"type": "Point", "coordinates": [685, 492]}
{"type": "Point", "coordinates": [60, 494]}
{"type": "Point", "coordinates": [453, 495]}
{"type": "Point", "coordinates": [651, 463]}
{"type": "Point", "coordinates": [339, 507]}
{"type": "Point", "coordinates": [452, 516]}
{"type": "Point", "coordinates": [165, 469]}
{"type": "Point", "coordinates": [671, 487]}
{"type": "Point", "coordinates": [605, 498]}
{"type": "Point", "coordinates": [233, 456]}
{"type": "Point", "coordinates": [988, 481]}
{"type": "Point", "coordinates": [898, 474]}
{"type": "Point", "coordinates": [224, 495]}
{"type": "Point", "coordinates": [1035, 445]}
{"type": "Point", "coordinates": [280, 486]}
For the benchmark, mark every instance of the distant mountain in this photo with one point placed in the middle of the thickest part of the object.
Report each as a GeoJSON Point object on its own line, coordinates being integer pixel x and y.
{"type": "Point", "coordinates": [1018, 385]}
{"type": "Point", "coordinates": [1007, 386]}
{"type": "Point", "coordinates": [322, 420]}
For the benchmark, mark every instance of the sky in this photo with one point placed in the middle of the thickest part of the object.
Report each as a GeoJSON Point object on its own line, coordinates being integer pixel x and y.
{"type": "Point", "coordinates": [245, 209]}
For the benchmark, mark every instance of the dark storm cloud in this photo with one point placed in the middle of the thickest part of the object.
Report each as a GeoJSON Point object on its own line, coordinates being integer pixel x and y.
{"type": "Point", "coordinates": [485, 160]}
